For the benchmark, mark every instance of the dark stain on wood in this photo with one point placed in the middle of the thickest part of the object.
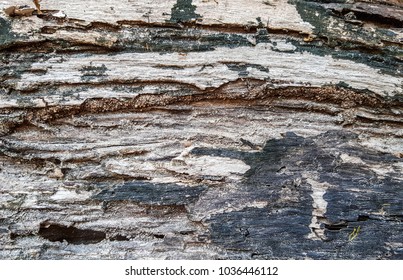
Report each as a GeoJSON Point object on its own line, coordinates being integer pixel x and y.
{"type": "Point", "coordinates": [152, 193]}
{"type": "Point", "coordinates": [56, 232]}
{"type": "Point", "coordinates": [184, 11]}
{"type": "Point", "coordinates": [355, 196]}
{"type": "Point", "coordinates": [92, 72]}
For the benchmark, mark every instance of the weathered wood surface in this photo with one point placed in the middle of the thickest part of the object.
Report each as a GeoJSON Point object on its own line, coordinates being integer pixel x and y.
{"type": "Point", "coordinates": [202, 130]}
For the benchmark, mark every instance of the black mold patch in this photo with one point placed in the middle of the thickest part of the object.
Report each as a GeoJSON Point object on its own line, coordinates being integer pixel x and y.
{"type": "Point", "coordinates": [6, 35]}
{"type": "Point", "coordinates": [92, 72]}
{"type": "Point", "coordinates": [276, 155]}
{"type": "Point", "coordinates": [377, 14]}
{"type": "Point", "coordinates": [327, 24]}
{"type": "Point", "coordinates": [170, 67]}
{"type": "Point", "coordinates": [242, 68]}
{"type": "Point", "coordinates": [329, 1]}
{"type": "Point", "coordinates": [201, 151]}
{"type": "Point", "coordinates": [152, 194]}
{"type": "Point", "coordinates": [180, 40]}
{"type": "Point", "coordinates": [155, 39]}
{"type": "Point", "coordinates": [119, 237]}
{"type": "Point", "coordinates": [386, 60]}
{"type": "Point", "coordinates": [263, 234]}
{"type": "Point", "coordinates": [13, 66]}
{"type": "Point", "coordinates": [354, 196]}
{"type": "Point", "coordinates": [376, 196]}
{"type": "Point", "coordinates": [73, 235]}
{"type": "Point", "coordinates": [184, 11]}
{"type": "Point", "coordinates": [315, 14]}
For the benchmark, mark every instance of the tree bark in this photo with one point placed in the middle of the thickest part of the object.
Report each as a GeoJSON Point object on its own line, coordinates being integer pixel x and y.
{"type": "Point", "coordinates": [204, 129]}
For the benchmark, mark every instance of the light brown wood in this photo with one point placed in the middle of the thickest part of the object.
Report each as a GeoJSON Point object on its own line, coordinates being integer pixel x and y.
{"type": "Point", "coordinates": [38, 6]}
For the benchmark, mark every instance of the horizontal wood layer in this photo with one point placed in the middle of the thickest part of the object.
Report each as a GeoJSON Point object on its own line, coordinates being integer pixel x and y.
{"type": "Point", "coordinates": [202, 130]}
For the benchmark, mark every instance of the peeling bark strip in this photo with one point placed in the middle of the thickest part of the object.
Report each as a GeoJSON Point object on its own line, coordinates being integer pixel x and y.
{"type": "Point", "coordinates": [202, 130]}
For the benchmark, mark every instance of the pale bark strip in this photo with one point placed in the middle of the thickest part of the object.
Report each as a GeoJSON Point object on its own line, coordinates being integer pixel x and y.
{"type": "Point", "coordinates": [201, 130]}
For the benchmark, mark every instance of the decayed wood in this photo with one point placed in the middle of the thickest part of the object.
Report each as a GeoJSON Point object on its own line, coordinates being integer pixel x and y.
{"type": "Point", "coordinates": [202, 129]}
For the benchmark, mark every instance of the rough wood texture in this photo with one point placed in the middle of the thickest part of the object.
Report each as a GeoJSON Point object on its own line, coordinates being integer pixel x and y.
{"type": "Point", "coordinates": [202, 130]}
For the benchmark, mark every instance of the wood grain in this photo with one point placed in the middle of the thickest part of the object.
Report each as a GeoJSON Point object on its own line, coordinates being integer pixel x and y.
{"type": "Point", "coordinates": [201, 130]}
